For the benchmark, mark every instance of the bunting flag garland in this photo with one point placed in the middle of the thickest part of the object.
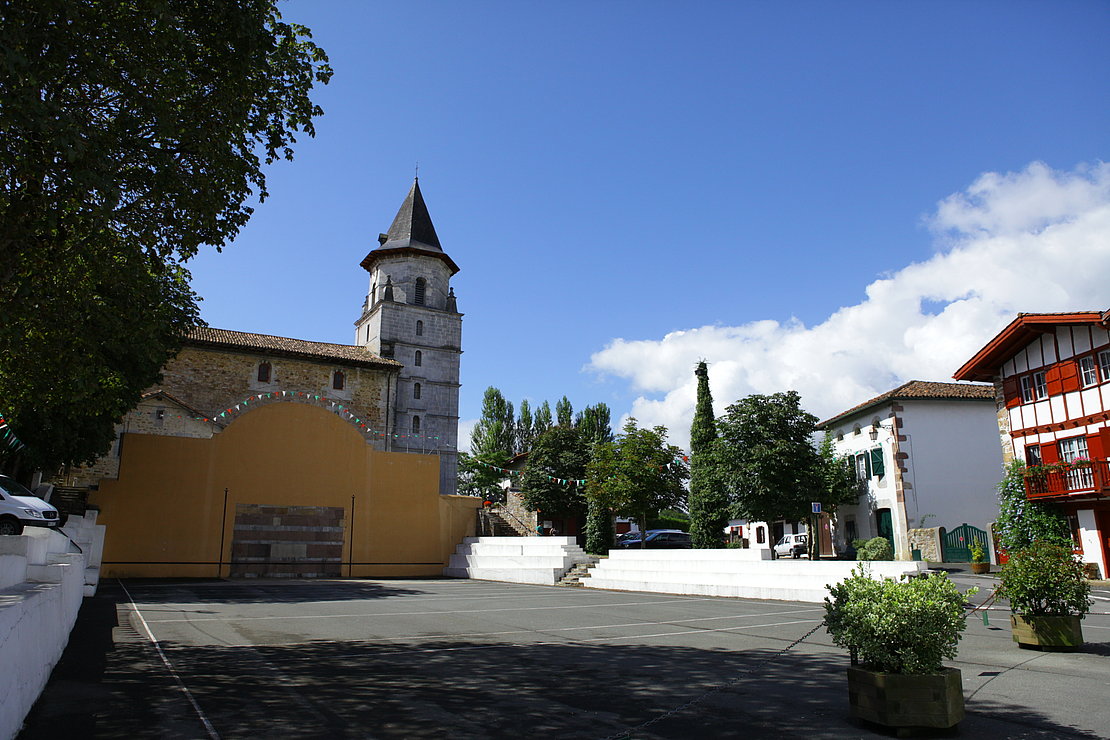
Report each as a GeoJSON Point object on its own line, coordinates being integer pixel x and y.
{"type": "Point", "coordinates": [333, 405]}
{"type": "Point", "coordinates": [7, 436]}
{"type": "Point", "coordinates": [567, 481]}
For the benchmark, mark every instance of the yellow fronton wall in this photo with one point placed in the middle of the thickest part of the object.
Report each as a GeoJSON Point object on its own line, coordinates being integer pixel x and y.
{"type": "Point", "coordinates": [165, 515]}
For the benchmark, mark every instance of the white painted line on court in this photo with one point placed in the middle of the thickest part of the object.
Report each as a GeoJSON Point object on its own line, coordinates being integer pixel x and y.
{"type": "Point", "coordinates": [169, 667]}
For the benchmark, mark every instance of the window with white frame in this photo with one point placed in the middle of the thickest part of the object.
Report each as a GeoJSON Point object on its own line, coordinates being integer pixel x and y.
{"type": "Point", "coordinates": [1087, 373]}
{"type": "Point", "coordinates": [1104, 364]}
{"type": "Point", "coordinates": [1033, 387]}
{"type": "Point", "coordinates": [1072, 448]}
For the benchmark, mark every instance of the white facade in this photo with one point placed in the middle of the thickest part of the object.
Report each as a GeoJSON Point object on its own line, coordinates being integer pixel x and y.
{"type": "Point", "coordinates": [929, 462]}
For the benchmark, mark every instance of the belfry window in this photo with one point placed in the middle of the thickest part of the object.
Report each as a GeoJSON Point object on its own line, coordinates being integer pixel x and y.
{"type": "Point", "coordinates": [416, 390]}
{"type": "Point", "coordinates": [418, 292]}
{"type": "Point", "coordinates": [419, 328]}
{"type": "Point", "coordinates": [263, 372]}
{"type": "Point", "coordinates": [418, 360]}
{"type": "Point", "coordinates": [337, 380]}
{"type": "Point", "coordinates": [416, 425]}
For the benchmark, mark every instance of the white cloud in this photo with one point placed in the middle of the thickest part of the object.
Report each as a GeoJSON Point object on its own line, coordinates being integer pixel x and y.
{"type": "Point", "coordinates": [1035, 240]}
{"type": "Point", "coordinates": [466, 426]}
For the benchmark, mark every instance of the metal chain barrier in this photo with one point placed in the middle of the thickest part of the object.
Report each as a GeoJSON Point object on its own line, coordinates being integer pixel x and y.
{"type": "Point", "coordinates": [716, 689]}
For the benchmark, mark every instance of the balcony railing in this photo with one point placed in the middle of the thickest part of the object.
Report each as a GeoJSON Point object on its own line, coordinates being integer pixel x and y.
{"type": "Point", "coordinates": [1064, 480]}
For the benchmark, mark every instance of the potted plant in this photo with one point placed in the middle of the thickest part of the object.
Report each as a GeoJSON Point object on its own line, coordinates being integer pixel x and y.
{"type": "Point", "coordinates": [979, 562]}
{"type": "Point", "coordinates": [1048, 596]}
{"type": "Point", "coordinates": [898, 632]}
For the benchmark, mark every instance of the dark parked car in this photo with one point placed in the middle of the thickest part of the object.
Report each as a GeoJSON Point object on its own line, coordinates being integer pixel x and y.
{"type": "Point", "coordinates": [672, 539]}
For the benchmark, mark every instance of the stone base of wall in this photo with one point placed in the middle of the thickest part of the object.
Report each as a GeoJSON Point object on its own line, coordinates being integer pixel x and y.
{"type": "Point", "coordinates": [926, 540]}
{"type": "Point", "coordinates": [287, 541]}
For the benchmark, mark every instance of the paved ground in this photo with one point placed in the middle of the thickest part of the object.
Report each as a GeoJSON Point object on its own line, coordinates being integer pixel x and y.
{"type": "Point", "coordinates": [473, 659]}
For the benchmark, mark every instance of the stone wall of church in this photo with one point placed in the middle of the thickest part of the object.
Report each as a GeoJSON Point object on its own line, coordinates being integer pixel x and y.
{"type": "Point", "coordinates": [211, 381]}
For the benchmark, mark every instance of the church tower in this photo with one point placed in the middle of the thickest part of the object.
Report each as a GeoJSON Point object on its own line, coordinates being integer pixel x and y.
{"type": "Point", "coordinates": [410, 316]}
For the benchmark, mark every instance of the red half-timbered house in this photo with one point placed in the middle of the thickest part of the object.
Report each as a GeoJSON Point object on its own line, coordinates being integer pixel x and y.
{"type": "Point", "coordinates": [1052, 380]}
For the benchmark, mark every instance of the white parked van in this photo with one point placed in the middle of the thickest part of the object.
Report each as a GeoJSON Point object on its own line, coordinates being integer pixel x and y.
{"type": "Point", "coordinates": [20, 508]}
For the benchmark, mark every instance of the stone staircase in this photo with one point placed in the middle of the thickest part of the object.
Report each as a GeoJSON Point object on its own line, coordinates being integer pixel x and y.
{"type": "Point", "coordinates": [574, 576]}
{"type": "Point", "coordinates": [494, 522]}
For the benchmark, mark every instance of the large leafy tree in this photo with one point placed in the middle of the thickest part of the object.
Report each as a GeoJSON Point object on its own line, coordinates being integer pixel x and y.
{"type": "Point", "coordinates": [765, 459]}
{"type": "Point", "coordinates": [542, 420]}
{"type": "Point", "coordinates": [556, 465]}
{"type": "Point", "coordinates": [525, 431]}
{"type": "Point", "coordinates": [708, 503]}
{"type": "Point", "coordinates": [491, 446]}
{"type": "Point", "coordinates": [132, 134]}
{"type": "Point", "coordinates": [594, 423]}
{"type": "Point", "coordinates": [564, 412]}
{"type": "Point", "coordinates": [637, 475]}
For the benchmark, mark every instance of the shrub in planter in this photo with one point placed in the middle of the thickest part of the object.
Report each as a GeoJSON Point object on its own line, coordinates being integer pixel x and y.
{"type": "Point", "coordinates": [1048, 595]}
{"type": "Point", "coordinates": [900, 631]}
{"type": "Point", "coordinates": [876, 548]}
{"type": "Point", "coordinates": [979, 562]}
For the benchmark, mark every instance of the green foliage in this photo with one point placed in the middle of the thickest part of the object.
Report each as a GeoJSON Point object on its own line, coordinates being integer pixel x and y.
{"type": "Point", "coordinates": [542, 420]}
{"type": "Point", "coordinates": [564, 412]}
{"type": "Point", "coordinates": [559, 453]}
{"type": "Point", "coordinates": [594, 423]}
{"type": "Point", "coordinates": [765, 460]}
{"type": "Point", "coordinates": [1044, 579]}
{"type": "Point", "coordinates": [897, 626]}
{"type": "Point", "coordinates": [708, 501]}
{"type": "Point", "coordinates": [491, 444]}
{"type": "Point", "coordinates": [599, 529]}
{"type": "Point", "coordinates": [669, 519]}
{"type": "Point", "coordinates": [876, 548]}
{"type": "Point", "coordinates": [133, 133]}
{"type": "Point", "coordinates": [839, 486]}
{"type": "Point", "coordinates": [525, 429]}
{"type": "Point", "coordinates": [977, 553]}
{"type": "Point", "coordinates": [638, 474]}
{"type": "Point", "coordinates": [1022, 522]}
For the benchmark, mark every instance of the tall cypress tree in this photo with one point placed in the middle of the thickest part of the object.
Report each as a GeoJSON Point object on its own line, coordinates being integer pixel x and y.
{"type": "Point", "coordinates": [707, 503]}
{"type": "Point", "coordinates": [525, 433]}
{"type": "Point", "coordinates": [564, 412]}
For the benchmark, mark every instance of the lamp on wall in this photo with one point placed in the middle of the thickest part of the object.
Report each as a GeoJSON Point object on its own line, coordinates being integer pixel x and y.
{"type": "Point", "coordinates": [873, 432]}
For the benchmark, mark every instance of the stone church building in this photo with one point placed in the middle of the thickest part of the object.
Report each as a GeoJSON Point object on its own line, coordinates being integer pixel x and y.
{"type": "Point", "coordinates": [259, 455]}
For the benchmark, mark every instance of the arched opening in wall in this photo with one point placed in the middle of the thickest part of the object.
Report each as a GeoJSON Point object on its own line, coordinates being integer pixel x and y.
{"type": "Point", "coordinates": [264, 372]}
{"type": "Point", "coordinates": [416, 391]}
{"type": "Point", "coordinates": [418, 359]}
{"type": "Point", "coordinates": [416, 425]}
{"type": "Point", "coordinates": [338, 380]}
{"type": "Point", "coordinates": [419, 328]}
{"type": "Point", "coordinates": [418, 292]}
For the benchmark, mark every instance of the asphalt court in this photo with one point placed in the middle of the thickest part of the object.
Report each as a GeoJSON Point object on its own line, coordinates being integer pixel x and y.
{"type": "Point", "coordinates": [473, 659]}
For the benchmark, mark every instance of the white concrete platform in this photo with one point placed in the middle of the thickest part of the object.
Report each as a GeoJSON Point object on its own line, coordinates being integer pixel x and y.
{"type": "Point", "coordinates": [734, 573]}
{"type": "Point", "coordinates": [43, 577]}
{"type": "Point", "coordinates": [542, 560]}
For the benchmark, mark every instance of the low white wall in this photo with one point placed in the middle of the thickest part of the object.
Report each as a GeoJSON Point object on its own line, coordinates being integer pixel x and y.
{"type": "Point", "coordinates": [729, 573]}
{"type": "Point", "coordinates": [42, 581]}
{"type": "Point", "coordinates": [542, 560]}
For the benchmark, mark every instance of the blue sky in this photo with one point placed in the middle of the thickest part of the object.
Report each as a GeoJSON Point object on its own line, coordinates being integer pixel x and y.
{"type": "Point", "coordinates": [629, 187]}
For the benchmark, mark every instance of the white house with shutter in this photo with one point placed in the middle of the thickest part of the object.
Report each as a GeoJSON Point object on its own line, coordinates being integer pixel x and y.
{"type": "Point", "coordinates": [1051, 374]}
{"type": "Point", "coordinates": [926, 455]}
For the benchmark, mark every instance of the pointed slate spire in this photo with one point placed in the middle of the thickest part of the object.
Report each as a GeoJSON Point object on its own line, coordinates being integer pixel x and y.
{"type": "Point", "coordinates": [412, 226]}
{"type": "Point", "coordinates": [411, 230]}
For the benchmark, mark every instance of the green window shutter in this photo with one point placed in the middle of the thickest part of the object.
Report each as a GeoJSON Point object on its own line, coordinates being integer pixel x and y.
{"type": "Point", "coordinates": [877, 466]}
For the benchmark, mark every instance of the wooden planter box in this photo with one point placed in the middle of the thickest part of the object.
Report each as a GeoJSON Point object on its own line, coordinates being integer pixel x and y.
{"type": "Point", "coordinates": [1047, 632]}
{"type": "Point", "coordinates": [980, 568]}
{"type": "Point", "coordinates": [898, 700]}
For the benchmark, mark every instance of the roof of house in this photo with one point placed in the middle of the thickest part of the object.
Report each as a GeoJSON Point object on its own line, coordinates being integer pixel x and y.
{"type": "Point", "coordinates": [918, 390]}
{"type": "Point", "coordinates": [340, 354]}
{"type": "Point", "coordinates": [411, 231]}
{"type": "Point", "coordinates": [1020, 332]}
